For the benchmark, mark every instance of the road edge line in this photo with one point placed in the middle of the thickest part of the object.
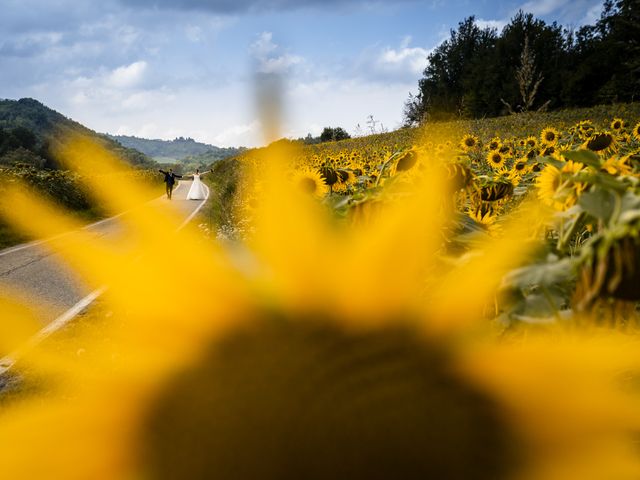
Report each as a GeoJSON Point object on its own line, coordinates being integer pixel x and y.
{"type": "Point", "coordinates": [9, 360]}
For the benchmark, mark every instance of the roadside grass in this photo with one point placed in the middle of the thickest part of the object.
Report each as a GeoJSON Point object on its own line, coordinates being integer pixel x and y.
{"type": "Point", "coordinates": [85, 215]}
{"type": "Point", "coordinates": [222, 181]}
{"type": "Point", "coordinates": [9, 237]}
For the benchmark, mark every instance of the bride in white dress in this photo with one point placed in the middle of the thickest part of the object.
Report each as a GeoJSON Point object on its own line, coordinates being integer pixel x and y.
{"type": "Point", "coordinates": [197, 190]}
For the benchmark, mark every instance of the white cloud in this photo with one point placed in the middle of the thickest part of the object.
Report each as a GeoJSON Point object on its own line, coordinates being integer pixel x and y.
{"type": "Point", "coordinates": [269, 57]}
{"type": "Point", "coordinates": [570, 12]}
{"type": "Point", "coordinates": [497, 24]}
{"type": "Point", "coordinates": [388, 64]}
{"type": "Point", "coordinates": [280, 64]}
{"type": "Point", "coordinates": [543, 7]}
{"type": "Point", "coordinates": [238, 134]}
{"type": "Point", "coordinates": [127, 76]}
{"type": "Point", "coordinates": [263, 46]}
{"type": "Point", "coordinates": [344, 103]}
{"type": "Point", "coordinates": [592, 15]}
{"type": "Point", "coordinates": [405, 59]}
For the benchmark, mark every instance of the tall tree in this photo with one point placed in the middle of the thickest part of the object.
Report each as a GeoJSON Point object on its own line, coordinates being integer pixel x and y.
{"type": "Point", "coordinates": [476, 72]}
{"type": "Point", "coordinates": [442, 90]}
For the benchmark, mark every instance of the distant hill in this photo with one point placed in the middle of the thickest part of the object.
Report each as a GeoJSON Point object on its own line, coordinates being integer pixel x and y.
{"type": "Point", "coordinates": [28, 129]}
{"type": "Point", "coordinates": [178, 150]}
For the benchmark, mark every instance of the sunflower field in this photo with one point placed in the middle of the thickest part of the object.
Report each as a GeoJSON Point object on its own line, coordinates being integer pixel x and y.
{"type": "Point", "coordinates": [454, 302]}
{"type": "Point", "coordinates": [583, 166]}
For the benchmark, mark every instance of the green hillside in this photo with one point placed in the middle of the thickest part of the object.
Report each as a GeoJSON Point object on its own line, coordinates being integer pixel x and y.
{"type": "Point", "coordinates": [177, 150]}
{"type": "Point", "coordinates": [28, 129]}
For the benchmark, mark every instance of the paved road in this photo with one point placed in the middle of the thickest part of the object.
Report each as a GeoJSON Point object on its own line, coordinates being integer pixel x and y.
{"type": "Point", "coordinates": [46, 283]}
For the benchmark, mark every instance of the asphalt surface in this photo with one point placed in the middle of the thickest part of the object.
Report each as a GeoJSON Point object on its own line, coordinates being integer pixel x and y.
{"type": "Point", "coordinates": [41, 279]}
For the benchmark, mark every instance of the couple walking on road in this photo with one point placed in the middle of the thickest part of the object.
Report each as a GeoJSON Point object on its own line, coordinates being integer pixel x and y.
{"type": "Point", "coordinates": [196, 192]}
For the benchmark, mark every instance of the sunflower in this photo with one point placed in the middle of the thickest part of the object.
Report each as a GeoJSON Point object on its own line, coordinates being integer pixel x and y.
{"type": "Point", "coordinates": [310, 181]}
{"type": "Point", "coordinates": [469, 142]}
{"type": "Point", "coordinates": [407, 160]}
{"type": "Point", "coordinates": [519, 168]}
{"type": "Point", "coordinates": [484, 215]}
{"type": "Point", "coordinates": [531, 142]}
{"type": "Point", "coordinates": [347, 176]}
{"type": "Point", "coordinates": [549, 136]}
{"type": "Point", "coordinates": [617, 165]}
{"type": "Point", "coordinates": [278, 371]}
{"type": "Point", "coordinates": [557, 187]}
{"type": "Point", "coordinates": [495, 159]}
{"type": "Point", "coordinates": [617, 125]}
{"type": "Point", "coordinates": [339, 187]}
{"type": "Point", "coordinates": [497, 190]}
{"type": "Point", "coordinates": [495, 144]}
{"type": "Point", "coordinates": [548, 151]}
{"type": "Point", "coordinates": [636, 131]}
{"type": "Point", "coordinates": [601, 142]}
{"type": "Point", "coordinates": [329, 174]}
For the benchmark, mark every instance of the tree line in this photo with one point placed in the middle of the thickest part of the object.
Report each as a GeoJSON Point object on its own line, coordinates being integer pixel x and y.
{"type": "Point", "coordinates": [531, 65]}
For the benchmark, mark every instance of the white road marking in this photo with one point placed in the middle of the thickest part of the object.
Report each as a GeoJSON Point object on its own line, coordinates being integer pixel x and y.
{"type": "Point", "coordinates": [195, 212]}
{"type": "Point", "coordinates": [8, 361]}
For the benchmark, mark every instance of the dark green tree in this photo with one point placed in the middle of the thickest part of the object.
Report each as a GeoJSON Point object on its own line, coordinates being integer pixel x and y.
{"type": "Point", "coordinates": [546, 44]}
{"type": "Point", "coordinates": [444, 91]}
{"type": "Point", "coordinates": [330, 134]}
{"type": "Point", "coordinates": [25, 137]}
{"type": "Point", "coordinates": [531, 65]}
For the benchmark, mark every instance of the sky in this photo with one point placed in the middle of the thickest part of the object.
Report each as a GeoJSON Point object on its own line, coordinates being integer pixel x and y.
{"type": "Point", "coordinates": [171, 68]}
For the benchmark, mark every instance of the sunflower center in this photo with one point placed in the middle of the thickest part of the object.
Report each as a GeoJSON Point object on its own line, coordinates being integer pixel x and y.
{"type": "Point", "coordinates": [407, 161]}
{"type": "Point", "coordinates": [307, 400]}
{"type": "Point", "coordinates": [600, 142]}
{"type": "Point", "coordinates": [308, 185]}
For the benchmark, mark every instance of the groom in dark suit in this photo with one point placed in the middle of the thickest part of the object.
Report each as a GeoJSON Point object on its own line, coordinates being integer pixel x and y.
{"type": "Point", "coordinates": [170, 181]}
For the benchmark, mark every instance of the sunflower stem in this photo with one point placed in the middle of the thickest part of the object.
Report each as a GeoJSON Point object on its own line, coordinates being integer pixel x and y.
{"type": "Point", "coordinates": [566, 235]}
{"type": "Point", "coordinates": [551, 303]}
{"type": "Point", "coordinates": [617, 209]}
{"type": "Point", "coordinates": [384, 165]}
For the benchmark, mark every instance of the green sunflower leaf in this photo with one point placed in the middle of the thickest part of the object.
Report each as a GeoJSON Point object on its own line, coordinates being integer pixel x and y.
{"type": "Point", "coordinates": [583, 156]}
{"type": "Point", "coordinates": [599, 203]}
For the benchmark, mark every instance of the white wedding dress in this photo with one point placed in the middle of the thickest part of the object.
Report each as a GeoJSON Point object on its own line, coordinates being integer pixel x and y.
{"type": "Point", "coordinates": [197, 191]}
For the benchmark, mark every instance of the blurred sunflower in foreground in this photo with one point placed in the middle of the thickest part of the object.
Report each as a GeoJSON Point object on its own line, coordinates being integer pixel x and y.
{"type": "Point", "coordinates": [258, 363]}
